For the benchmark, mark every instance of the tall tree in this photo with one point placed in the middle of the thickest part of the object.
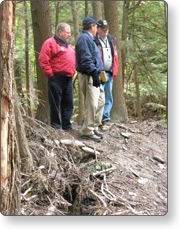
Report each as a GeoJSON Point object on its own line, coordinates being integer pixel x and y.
{"type": "Point", "coordinates": [10, 173]}
{"type": "Point", "coordinates": [57, 13]}
{"type": "Point", "coordinates": [97, 10]}
{"type": "Point", "coordinates": [136, 68]}
{"type": "Point", "coordinates": [13, 150]}
{"type": "Point", "coordinates": [76, 35]}
{"type": "Point", "coordinates": [124, 35]}
{"type": "Point", "coordinates": [29, 79]}
{"type": "Point", "coordinates": [42, 30]}
{"type": "Point", "coordinates": [119, 110]}
{"type": "Point", "coordinates": [86, 8]}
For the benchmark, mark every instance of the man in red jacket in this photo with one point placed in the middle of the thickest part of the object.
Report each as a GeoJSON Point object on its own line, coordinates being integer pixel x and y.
{"type": "Point", "coordinates": [57, 60]}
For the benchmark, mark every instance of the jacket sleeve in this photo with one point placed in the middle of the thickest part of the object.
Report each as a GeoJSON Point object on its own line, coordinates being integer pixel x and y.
{"type": "Point", "coordinates": [45, 57]}
{"type": "Point", "coordinates": [86, 58]}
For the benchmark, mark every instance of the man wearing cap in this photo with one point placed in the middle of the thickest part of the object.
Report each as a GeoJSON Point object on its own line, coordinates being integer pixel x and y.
{"type": "Point", "coordinates": [107, 47]}
{"type": "Point", "coordinates": [89, 65]}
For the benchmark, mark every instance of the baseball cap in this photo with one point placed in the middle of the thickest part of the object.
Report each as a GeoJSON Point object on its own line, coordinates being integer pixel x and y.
{"type": "Point", "coordinates": [103, 24]}
{"type": "Point", "coordinates": [90, 20]}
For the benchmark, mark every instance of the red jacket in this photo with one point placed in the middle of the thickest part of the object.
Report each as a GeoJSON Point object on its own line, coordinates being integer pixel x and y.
{"type": "Point", "coordinates": [54, 58]}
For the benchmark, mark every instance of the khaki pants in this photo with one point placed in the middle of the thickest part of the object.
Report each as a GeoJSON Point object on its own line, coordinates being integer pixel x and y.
{"type": "Point", "coordinates": [94, 100]}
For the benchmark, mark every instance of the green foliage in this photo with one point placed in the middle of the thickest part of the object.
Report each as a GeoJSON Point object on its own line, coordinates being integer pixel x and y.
{"type": "Point", "coordinates": [147, 47]}
{"type": "Point", "coordinates": [20, 41]}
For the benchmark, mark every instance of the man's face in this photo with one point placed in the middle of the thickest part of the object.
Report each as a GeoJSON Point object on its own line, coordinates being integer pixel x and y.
{"type": "Point", "coordinates": [93, 29]}
{"type": "Point", "coordinates": [65, 34]}
{"type": "Point", "coordinates": [103, 32]}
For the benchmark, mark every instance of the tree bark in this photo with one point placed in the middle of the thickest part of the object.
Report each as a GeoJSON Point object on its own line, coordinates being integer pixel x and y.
{"type": "Point", "coordinates": [42, 30]}
{"type": "Point", "coordinates": [124, 35]}
{"type": "Point", "coordinates": [138, 109]}
{"type": "Point", "coordinates": [29, 79]}
{"type": "Point", "coordinates": [10, 158]}
{"type": "Point", "coordinates": [119, 110]}
{"type": "Point", "coordinates": [76, 35]}
{"type": "Point", "coordinates": [57, 14]}
{"type": "Point", "coordinates": [97, 10]}
{"type": "Point", "coordinates": [18, 78]}
{"type": "Point", "coordinates": [138, 97]}
{"type": "Point", "coordinates": [86, 8]}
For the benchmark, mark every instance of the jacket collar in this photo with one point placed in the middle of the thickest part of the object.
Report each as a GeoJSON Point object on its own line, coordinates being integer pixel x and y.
{"type": "Point", "coordinates": [59, 41]}
{"type": "Point", "coordinates": [89, 34]}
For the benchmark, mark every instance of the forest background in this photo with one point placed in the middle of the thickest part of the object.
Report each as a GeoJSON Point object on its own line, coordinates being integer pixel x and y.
{"type": "Point", "coordinates": [141, 35]}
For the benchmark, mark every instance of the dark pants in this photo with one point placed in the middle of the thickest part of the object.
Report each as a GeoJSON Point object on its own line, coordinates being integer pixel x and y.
{"type": "Point", "coordinates": [60, 91]}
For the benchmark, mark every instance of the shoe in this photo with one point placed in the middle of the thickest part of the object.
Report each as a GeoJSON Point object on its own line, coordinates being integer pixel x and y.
{"type": "Point", "coordinates": [105, 125]}
{"type": "Point", "coordinates": [98, 133]}
{"type": "Point", "coordinates": [93, 137]}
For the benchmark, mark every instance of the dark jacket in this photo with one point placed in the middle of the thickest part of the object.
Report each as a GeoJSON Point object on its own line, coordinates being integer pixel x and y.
{"type": "Point", "coordinates": [88, 57]}
{"type": "Point", "coordinates": [114, 53]}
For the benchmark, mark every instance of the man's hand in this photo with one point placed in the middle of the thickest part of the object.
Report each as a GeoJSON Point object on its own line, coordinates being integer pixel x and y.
{"type": "Point", "coordinates": [96, 80]}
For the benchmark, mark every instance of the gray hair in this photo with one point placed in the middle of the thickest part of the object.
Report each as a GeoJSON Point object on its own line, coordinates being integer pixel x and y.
{"type": "Point", "coordinates": [61, 26]}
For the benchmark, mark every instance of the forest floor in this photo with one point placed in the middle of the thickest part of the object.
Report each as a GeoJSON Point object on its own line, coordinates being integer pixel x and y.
{"type": "Point", "coordinates": [126, 174]}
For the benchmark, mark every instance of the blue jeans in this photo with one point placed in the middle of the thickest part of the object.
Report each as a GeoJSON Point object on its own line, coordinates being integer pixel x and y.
{"type": "Point", "coordinates": [108, 97]}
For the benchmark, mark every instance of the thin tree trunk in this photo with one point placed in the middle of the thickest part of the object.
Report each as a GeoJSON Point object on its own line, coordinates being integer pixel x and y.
{"type": "Point", "coordinates": [97, 10]}
{"type": "Point", "coordinates": [18, 78]}
{"type": "Point", "coordinates": [124, 35]}
{"type": "Point", "coordinates": [29, 80]}
{"type": "Point", "coordinates": [119, 110]}
{"type": "Point", "coordinates": [42, 31]}
{"type": "Point", "coordinates": [138, 97]}
{"type": "Point", "coordinates": [57, 14]}
{"type": "Point", "coordinates": [76, 35]}
{"type": "Point", "coordinates": [136, 78]}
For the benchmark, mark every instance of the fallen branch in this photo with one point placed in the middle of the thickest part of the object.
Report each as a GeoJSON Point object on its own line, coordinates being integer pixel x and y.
{"type": "Point", "coordinates": [105, 171]}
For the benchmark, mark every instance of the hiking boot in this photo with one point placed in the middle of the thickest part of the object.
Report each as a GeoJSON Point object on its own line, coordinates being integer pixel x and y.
{"type": "Point", "coordinates": [98, 133]}
{"type": "Point", "coordinates": [105, 125]}
{"type": "Point", "coordinates": [93, 137]}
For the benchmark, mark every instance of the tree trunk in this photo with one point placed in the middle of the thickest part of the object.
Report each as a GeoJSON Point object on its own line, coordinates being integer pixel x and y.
{"type": "Point", "coordinates": [42, 30]}
{"type": "Point", "coordinates": [18, 78]}
{"type": "Point", "coordinates": [138, 97]}
{"type": "Point", "coordinates": [119, 110]}
{"type": "Point", "coordinates": [124, 35]}
{"type": "Point", "coordinates": [57, 14]}
{"type": "Point", "coordinates": [76, 35]}
{"type": "Point", "coordinates": [86, 8]}
{"type": "Point", "coordinates": [97, 10]}
{"type": "Point", "coordinates": [29, 80]}
{"type": "Point", "coordinates": [136, 79]}
{"type": "Point", "coordinates": [10, 159]}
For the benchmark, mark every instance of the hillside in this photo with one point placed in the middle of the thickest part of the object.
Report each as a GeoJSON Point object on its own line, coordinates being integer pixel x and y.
{"type": "Point", "coordinates": [125, 174]}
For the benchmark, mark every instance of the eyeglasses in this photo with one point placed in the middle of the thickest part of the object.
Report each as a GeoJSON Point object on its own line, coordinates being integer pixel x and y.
{"type": "Point", "coordinates": [69, 33]}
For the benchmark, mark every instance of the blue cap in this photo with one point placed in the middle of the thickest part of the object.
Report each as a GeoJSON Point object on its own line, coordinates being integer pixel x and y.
{"type": "Point", "coordinates": [90, 20]}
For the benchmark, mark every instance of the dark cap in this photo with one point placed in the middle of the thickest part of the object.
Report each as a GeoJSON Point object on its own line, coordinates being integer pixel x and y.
{"type": "Point", "coordinates": [90, 20]}
{"type": "Point", "coordinates": [103, 24]}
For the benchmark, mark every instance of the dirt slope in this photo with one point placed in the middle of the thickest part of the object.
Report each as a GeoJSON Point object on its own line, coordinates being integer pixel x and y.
{"type": "Point", "coordinates": [127, 177]}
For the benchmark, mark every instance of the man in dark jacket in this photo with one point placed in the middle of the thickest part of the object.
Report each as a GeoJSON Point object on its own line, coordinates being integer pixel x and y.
{"type": "Point", "coordinates": [57, 60]}
{"type": "Point", "coordinates": [89, 65]}
{"type": "Point", "coordinates": [107, 47]}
